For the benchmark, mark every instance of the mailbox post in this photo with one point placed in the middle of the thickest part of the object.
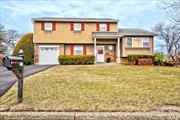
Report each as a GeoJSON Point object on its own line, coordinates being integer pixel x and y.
{"type": "Point", "coordinates": [20, 80]}
{"type": "Point", "coordinates": [15, 64]}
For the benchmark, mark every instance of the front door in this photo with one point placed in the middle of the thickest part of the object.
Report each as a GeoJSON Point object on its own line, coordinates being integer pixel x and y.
{"type": "Point", "coordinates": [100, 53]}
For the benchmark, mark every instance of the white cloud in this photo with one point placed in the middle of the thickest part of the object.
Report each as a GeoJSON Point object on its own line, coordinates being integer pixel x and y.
{"type": "Point", "coordinates": [17, 14]}
{"type": "Point", "coordinates": [126, 11]}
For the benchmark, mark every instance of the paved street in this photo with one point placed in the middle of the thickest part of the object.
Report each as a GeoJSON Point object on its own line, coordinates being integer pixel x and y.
{"type": "Point", "coordinates": [7, 78]}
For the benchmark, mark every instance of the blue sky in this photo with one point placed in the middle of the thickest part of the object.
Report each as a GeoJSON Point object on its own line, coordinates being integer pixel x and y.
{"type": "Point", "coordinates": [17, 14]}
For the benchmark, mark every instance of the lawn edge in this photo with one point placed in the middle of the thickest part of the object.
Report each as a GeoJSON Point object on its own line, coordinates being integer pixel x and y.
{"type": "Point", "coordinates": [91, 115]}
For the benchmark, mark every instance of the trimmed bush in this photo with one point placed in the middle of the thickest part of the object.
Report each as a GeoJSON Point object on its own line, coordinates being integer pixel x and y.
{"type": "Point", "coordinates": [159, 58]}
{"type": "Point", "coordinates": [133, 59]}
{"type": "Point", "coordinates": [26, 44]}
{"type": "Point", "coordinates": [76, 59]}
{"type": "Point", "coordinates": [145, 61]}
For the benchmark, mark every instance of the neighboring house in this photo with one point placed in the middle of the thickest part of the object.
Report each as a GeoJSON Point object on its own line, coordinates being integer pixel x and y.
{"type": "Point", "coordinates": [87, 36]}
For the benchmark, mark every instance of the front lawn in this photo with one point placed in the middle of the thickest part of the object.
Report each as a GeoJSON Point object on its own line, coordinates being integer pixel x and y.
{"type": "Point", "coordinates": [98, 88]}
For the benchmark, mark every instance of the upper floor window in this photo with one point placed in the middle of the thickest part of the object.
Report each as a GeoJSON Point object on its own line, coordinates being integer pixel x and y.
{"type": "Point", "coordinates": [102, 27]}
{"type": "Point", "coordinates": [48, 26]}
{"type": "Point", "coordinates": [77, 26]}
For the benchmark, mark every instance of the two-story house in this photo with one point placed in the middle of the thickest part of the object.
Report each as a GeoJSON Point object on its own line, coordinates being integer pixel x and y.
{"type": "Point", "coordinates": [87, 36]}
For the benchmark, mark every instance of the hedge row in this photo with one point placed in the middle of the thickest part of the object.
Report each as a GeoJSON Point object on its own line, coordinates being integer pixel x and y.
{"type": "Point", "coordinates": [76, 59]}
{"type": "Point", "coordinates": [145, 61]}
{"type": "Point", "coordinates": [133, 59]}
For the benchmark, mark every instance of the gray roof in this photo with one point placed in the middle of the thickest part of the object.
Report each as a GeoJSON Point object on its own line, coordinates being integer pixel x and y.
{"type": "Point", "coordinates": [123, 32]}
{"type": "Point", "coordinates": [75, 19]}
{"type": "Point", "coordinates": [106, 34]}
{"type": "Point", "coordinates": [135, 32]}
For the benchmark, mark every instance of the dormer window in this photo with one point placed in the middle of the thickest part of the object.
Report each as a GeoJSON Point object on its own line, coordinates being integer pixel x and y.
{"type": "Point", "coordinates": [77, 26]}
{"type": "Point", "coordinates": [48, 26]}
{"type": "Point", "coordinates": [103, 27]}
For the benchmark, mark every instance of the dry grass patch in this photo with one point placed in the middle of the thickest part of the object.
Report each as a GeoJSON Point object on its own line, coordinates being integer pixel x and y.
{"type": "Point", "coordinates": [98, 88]}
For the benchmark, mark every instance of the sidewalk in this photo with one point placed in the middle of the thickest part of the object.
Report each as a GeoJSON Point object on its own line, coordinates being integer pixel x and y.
{"type": "Point", "coordinates": [91, 115]}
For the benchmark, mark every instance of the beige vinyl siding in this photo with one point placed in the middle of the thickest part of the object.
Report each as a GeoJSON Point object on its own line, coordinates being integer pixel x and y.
{"type": "Point", "coordinates": [89, 49]}
{"type": "Point", "coordinates": [63, 34]}
{"type": "Point", "coordinates": [125, 51]}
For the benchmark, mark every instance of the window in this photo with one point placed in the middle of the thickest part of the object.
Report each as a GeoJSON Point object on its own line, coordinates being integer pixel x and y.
{"type": "Point", "coordinates": [129, 42]}
{"type": "Point", "coordinates": [103, 27]}
{"type": "Point", "coordinates": [137, 42]}
{"type": "Point", "coordinates": [48, 26]}
{"type": "Point", "coordinates": [77, 26]}
{"type": "Point", "coordinates": [100, 50]}
{"type": "Point", "coordinates": [78, 50]}
{"type": "Point", "coordinates": [146, 42]}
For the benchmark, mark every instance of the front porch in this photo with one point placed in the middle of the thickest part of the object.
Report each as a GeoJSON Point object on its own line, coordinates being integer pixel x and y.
{"type": "Point", "coordinates": [106, 47]}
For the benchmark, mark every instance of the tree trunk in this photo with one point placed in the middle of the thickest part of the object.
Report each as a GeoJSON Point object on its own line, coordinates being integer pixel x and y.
{"type": "Point", "coordinates": [168, 57]}
{"type": "Point", "coordinates": [177, 61]}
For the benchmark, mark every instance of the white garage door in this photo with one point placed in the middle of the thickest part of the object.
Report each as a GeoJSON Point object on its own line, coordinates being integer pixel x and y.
{"type": "Point", "coordinates": [48, 54]}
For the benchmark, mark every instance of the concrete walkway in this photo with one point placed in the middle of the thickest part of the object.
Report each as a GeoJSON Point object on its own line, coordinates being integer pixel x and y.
{"type": "Point", "coordinates": [91, 115]}
{"type": "Point", "coordinates": [7, 78]}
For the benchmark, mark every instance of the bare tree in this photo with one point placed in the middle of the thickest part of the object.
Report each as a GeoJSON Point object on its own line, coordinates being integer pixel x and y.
{"type": "Point", "coordinates": [11, 37]}
{"type": "Point", "coordinates": [3, 46]}
{"type": "Point", "coordinates": [170, 34]}
{"type": "Point", "coordinates": [172, 8]}
{"type": "Point", "coordinates": [177, 48]}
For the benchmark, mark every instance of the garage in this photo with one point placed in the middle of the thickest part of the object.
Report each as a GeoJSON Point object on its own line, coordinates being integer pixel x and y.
{"type": "Point", "coordinates": [48, 54]}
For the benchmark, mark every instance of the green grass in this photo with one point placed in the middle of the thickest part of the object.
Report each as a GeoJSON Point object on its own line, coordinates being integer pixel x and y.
{"type": "Point", "coordinates": [98, 88]}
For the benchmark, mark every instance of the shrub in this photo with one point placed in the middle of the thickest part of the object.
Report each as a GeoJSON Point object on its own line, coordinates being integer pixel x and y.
{"type": "Point", "coordinates": [76, 59]}
{"type": "Point", "coordinates": [26, 44]}
{"type": "Point", "coordinates": [165, 63]}
{"type": "Point", "coordinates": [1, 57]}
{"type": "Point", "coordinates": [124, 61]}
{"type": "Point", "coordinates": [159, 58]}
{"type": "Point", "coordinates": [145, 61]}
{"type": "Point", "coordinates": [133, 59]}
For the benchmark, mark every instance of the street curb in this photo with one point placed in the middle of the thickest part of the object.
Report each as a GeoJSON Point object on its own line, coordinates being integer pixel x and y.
{"type": "Point", "coordinates": [91, 115]}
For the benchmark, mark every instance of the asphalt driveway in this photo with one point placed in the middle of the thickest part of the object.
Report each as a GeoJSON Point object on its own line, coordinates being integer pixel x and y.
{"type": "Point", "coordinates": [7, 78]}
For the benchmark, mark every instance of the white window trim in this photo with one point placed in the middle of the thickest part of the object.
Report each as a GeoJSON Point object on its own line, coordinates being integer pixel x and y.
{"type": "Point", "coordinates": [77, 28]}
{"type": "Point", "coordinates": [48, 28]}
{"type": "Point", "coordinates": [142, 42]}
{"type": "Point", "coordinates": [79, 46]}
{"type": "Point", "coordinates": [57, 46]}
{"type": "Point", "coordinates": [102, 25]}
{"type": "Point", "coordinates": [146, 42]}
{"type": "Point", "coordinates": [127, 41]}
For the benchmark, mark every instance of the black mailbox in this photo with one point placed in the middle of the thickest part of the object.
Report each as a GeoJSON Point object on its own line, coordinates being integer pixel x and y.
{"type": "Point", "coordinates": [15, 64]}
{"type": "Point", "coordinates": [12, 62]}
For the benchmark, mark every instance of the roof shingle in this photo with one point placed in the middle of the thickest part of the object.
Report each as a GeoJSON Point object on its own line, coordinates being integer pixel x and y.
{"type": "Point", "coordinates": [124, 32]}
{"type": "Point", "coordinates": [134, 31]}
{"type": "Point", "coordinates": [75, 19]}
